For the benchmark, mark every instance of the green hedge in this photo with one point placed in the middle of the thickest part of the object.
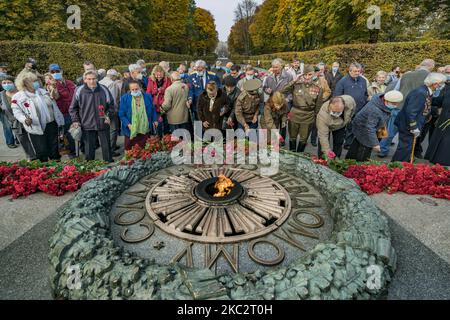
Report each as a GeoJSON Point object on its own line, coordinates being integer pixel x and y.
{"type": "Point", "coordinates": [380, 56]}
{"type": "Point", "coordinates": [71, 56]}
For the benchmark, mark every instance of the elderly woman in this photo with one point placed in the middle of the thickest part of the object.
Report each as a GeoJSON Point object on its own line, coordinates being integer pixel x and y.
{"type": "Point", "coordinates": [378, 86]}
{"type": "Point", "coordinates": [40, 116]}
{"type": "Point", "coordinates": [212, 106]}
{"type": "Point", "coordinates": [275, 112]}
{"type": "Point", "coordinates": [157, 86]}
{"type": "Point", "coordinates": [137, 115]}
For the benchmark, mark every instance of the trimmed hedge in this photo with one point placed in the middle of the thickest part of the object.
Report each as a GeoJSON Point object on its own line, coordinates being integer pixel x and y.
{"type": "Point", "coordinates": [71, 56]}
{"type": "Point", "coordinates": [380, 56]}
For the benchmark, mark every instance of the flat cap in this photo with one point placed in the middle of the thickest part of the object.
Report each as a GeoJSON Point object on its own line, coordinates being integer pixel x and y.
{"type": "Point", "coordinates": [393, 96]}
{"type": "Point", "coordinates": [252, 85]}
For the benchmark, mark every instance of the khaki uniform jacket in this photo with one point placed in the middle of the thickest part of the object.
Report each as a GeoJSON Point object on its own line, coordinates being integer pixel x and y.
{"type": "Point", "coordinates": [247, 106]}
{"type": "Point", "coordinates": [175, 98]}
{"type": "Point", "coordinates": [274, 119]}
{"type": "Point", "coordinates": [326, 123]}
{"type": "Point", "coordinates": [307, 100]}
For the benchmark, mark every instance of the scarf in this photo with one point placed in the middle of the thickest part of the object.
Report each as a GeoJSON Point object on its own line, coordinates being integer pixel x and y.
{"type": "Point", "coordinates": [139, 119]}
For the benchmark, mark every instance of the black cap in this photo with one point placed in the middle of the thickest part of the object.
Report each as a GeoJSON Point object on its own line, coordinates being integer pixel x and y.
{"type": "Point", "coordinates": [229, 81]}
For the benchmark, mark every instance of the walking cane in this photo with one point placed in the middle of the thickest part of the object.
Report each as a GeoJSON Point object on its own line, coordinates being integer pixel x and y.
{"type": "Point", "coordinates": [413, 149]}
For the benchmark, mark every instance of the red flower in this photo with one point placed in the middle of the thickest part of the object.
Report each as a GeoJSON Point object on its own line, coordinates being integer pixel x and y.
{"type": "Point", "coordinates": [14, 101]}
{"type": "Point", "coordinates": [290, 115]}
{"type": "Point", "coordinates": [26, 105]}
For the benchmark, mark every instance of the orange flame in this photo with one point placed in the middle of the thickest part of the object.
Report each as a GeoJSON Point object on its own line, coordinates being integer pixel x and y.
{"type": "Point", "coordinates": [223, 186]}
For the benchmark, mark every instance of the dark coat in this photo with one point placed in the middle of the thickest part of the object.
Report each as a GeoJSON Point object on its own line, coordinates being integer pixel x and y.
{"type": "Point", "coordinates": [87, 104]}
{"type": "Point", "coordinates": [213, 117]}
{"type": "Point", "coordinates": [356, 88]}
{"type": "Point", "coordinates": [439, 148]}
{"type": "Point", "coordinates": [416, 110]}
{"type": "Point", "coordinates": [410, 81]}
{"type": "Point", "coordinates": [372, 117]}
{"type": "Point", "coordinates": [333, 80]}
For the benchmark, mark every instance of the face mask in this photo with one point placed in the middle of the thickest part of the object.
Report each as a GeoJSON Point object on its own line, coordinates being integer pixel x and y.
{"type": "Point", "coordinates": [144, 70]}
{"type": "Point", "coordinates": [441, 87]}
{"type": "Point", "coordinates": [315, 78]}
{"type": "Point", "coordinates": [335, 114]}
{"type": "Point", "coordinates": [139, 76]}
{"type": "Point", "coordinates": [249, 77]}
{"type": "Point", "coordinates": [448, 77]}
{"type": "Point", "coordinates": [57, 76]}
{"type": "Point", "coordinates": [227, 70]}
{"type": "Point", "coordinates": [335, 69]}
{"type": "Point", "coordinates": [2, 74]}
{"type": "Point", "coordinates": [201, 74]}
{"type": "Point", "coordinates": [391, 107]}
{"type": "Point", "coordinates": [136, 94]}
{"type": "Point", "coordinates": [8, 86]}
{"type": "Point", "coordinates": [36, 85]}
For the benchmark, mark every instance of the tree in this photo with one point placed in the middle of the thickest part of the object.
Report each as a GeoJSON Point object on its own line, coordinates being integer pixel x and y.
{"type": "Point", "coordinates": [244, 13]}
{"type": "Point", "coordinates": [205, 34]}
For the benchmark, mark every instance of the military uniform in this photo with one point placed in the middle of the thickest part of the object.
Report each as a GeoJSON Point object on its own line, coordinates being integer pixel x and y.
{"type": "Point", "coordinates": [415, 113]}
{"type": "Point", "coordinates": [307, 101]}
{"type": "Point", "coordinates": [247, 105]}
{"type": "Point", "coordinates": [197, 84]}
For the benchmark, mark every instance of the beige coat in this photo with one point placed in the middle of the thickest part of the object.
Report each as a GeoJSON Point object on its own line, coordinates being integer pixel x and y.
{"type": "Point", "coordinates": [326, 123]}
{"type": "Point", "coordinates": [374, 89]}
{"type": "Point", "coordinates": [247, 106]}
{"type": "Point", "coordinates": [174, 105]}
{"type": "Point", "coordinates": [322, 82]}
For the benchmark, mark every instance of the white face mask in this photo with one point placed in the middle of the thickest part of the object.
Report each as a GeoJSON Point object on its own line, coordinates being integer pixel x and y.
{"type": "Point", "coordinates": [250, 77]}
{"type": "Point", "coordinates": [139, 76]}
{"type": "Point", "coordinates": [336, 114]}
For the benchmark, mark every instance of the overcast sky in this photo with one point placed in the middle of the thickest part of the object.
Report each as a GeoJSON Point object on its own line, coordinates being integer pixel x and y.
{"type": "Point", "coordinates": [223, 11]}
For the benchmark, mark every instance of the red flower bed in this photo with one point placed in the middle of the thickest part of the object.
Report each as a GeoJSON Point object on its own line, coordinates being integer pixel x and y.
{"type": "Point", "coordinates": [153, 145]}
{"type": "Point", "coordinates": [20, 181]}
{"type": "Point", "coordinates": [411, 179]}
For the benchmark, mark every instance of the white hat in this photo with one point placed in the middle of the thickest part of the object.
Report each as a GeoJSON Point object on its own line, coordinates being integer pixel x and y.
{"type": "Point", "coordinates": [112, 72]}
{"type": "Point", "coordinates": [393, 96]}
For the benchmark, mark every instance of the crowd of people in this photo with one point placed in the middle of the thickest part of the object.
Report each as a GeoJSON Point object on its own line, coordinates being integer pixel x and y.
{"type": "Point", "coordinates": [49, 115]}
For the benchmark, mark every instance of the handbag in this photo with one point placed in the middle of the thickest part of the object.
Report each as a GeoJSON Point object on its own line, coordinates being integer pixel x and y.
{"type": "Point", "coordinates": [382, 133]}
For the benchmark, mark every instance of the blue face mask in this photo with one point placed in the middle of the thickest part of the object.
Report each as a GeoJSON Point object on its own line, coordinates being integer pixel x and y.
{"type": "Point", "coordinates": [57, 76]}
{"type": "Point", "coordinates": [335, 69]}
{"type": "Point", "coordinates": [2, 74]}
{"type": "Point", "coordinates": [136, 94]}
{"type": "Point", "coordinates": [391, 107]}
{"type": "Point", "coordinates": [36, 85]}
{"type": "Point", "coordinates": [314, 78]}
{"type": "Point", "coordinates": [9, 86]}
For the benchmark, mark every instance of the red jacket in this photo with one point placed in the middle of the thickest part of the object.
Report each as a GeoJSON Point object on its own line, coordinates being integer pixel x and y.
{"type": "Point", "coordinates": [158, 93]}
{"type": "Point", "coordinates": [66, 92]}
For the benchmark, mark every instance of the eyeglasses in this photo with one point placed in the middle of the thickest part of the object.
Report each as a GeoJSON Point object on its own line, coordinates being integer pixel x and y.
{"type": "Point", "coordinates": [55, 71]}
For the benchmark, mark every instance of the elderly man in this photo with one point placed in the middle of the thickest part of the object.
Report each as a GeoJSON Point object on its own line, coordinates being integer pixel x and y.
{"type": "Point", "coordinates": [114, 85]}
{"type": "Point", "coordinates": [334, 76]}
{"type": "Point", "coordinates": [307, 100]}
{"type": "Point", "coordinates": [248, 105]}
{"type": "Point", "coordinates": [197, 84]}
{"type": "Point", "coordinates": [355, 86]}
{"type": "Point", "coordinates": [415, 113]}
{"type": "Point", "coordinates": [408, 83]}
{"type": "Point", "coordinates": [438, 150]}
{"type": "Point", "coordinates": [91, 109]}
{"type": "Point", "coordinates": [175, 103]}
{"type": "Point", "coordinates": [333, 117]}
{"type": "Point", "coordinates": [136, 75]}
{"type": "Point", "coordinates": [279, 78]}
{"type": "Point", "coordinates": [369, 125]}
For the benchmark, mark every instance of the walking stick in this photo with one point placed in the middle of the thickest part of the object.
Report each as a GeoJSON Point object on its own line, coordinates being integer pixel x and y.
{"type": "Point", "coordinates": [413, 149]}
